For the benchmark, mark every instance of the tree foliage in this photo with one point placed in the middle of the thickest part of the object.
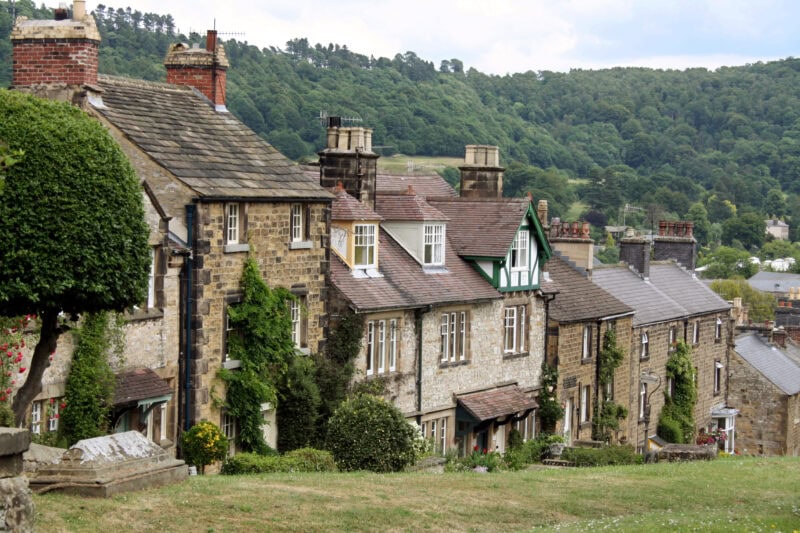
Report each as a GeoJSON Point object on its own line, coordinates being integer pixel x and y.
{"type": "Point", "coordinates": [550, 411]}
{"type": "Point", "coordinates": [263, 343]}
{"type": "Point", "coordinates": [678, 410]}
{"type": "Point", "coordinates": [298, 405]}
{"type": "Point", "coordinates": [760, 305]}
{"type": "Point", "coordinates": [72, 224]}
{"type": "Point", "coordinates": [607, 412]}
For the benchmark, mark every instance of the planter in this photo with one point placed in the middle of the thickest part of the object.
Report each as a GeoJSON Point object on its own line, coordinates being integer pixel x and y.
{"type": "Point", "coordinates": [556, 449]}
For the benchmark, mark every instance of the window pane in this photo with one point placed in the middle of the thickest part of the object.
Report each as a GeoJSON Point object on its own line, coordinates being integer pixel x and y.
{"type": "Point", "coordinates": [297, 223]}
{"type": "Point", "coordinates": [381, 353]}
{"type": "Point", "coordinates": [364, 245]}
{"type": "Point", "coordinates": [233, 224]}
{"type": "Point", "coordinates": [392, 344]}
{"type": "Point", "coordinates": [370, 345]}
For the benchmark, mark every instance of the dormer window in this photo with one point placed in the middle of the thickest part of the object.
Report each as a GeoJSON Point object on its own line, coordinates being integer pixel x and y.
{"type": "Point", "coordinates": [364, 246]}
{"type": "Point", "coordinates": [519, 251]}
{"type": "Point", "coordinates": [434, 245]}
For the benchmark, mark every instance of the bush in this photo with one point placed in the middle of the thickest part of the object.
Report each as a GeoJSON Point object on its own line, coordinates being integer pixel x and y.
{"type": "Point", "coordinates": [298, 405]}
{"type": "Point", "coordinates": [300, 460]}
{"type": "Point", "coordinates": [514, 439]}
{"type": "Point", "coordinates": [608, 455]}
{"type": "Point", "coordinates": [203, 444]}
{"type": "Point", "coordinates": [482, 459]}
{"type": "Point", "coordinates": [669, 429]}
{"type": "Point", "coordinates": [367, 433]}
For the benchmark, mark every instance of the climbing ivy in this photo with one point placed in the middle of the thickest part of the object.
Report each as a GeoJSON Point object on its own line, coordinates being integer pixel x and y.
{"type": "Point", "coordinates": [676, 421]}
{"type": "Point", "coordinates": [89, 393]}
{"type": "Point", "coordinates": [550, 411]}
{"type": "Point", "coordinates": [263, 344]}
{"type": "Point", "coordinates": [607, 413]}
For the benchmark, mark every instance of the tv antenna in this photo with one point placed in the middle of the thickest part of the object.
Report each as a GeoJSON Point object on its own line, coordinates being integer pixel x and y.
{"type": "Point", "coordinates": [329, 121]}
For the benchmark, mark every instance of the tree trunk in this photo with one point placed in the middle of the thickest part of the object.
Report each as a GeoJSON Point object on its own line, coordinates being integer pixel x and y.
{"type": "Point", "coordinates": [48, 339]}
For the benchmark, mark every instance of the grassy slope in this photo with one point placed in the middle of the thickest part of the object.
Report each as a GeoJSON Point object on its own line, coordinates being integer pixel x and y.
{"type": "Point", "coordinates": [726, 495]}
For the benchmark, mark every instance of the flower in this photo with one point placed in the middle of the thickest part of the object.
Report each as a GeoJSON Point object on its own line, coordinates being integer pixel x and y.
{"type": "Point", "coordinates": [62, 405]}
{"type": "Point", "coordinates": [22, 369]}
{"type": "Point", "coordinates": [484, 451]}
{"type": "Point", "coordinates": [475, 449]}
{"type": "Point", "coordinates": [52, 401]}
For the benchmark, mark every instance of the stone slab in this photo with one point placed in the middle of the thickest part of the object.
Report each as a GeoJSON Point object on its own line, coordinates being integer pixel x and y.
{"type": "Point", "coordinates": [14, 441]}
{"type": "Point", "coordinates": [16, 505]}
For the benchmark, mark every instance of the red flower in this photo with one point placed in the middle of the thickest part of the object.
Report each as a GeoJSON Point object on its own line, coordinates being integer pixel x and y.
{"type": "Point", "coordinates": [52, 401]}
{"type": "Point", "coordinates": [9, 353]}
{"type": "Point", "coordinates": [8, 390]}
{"type": "Point", "coordinates": [56, 415]}
{"type": "Point", "coordinates": [63, 404]}
{"type": "Point", "coordinates": [475, 449]}
{"type": "Point", "coordinates": [484, 451]}
{"type": "Point", "coordinates": [22, 369]}
{"type": "Point", "coordinates": [2, 398]}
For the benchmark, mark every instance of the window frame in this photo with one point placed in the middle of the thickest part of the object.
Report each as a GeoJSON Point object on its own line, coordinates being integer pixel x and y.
{"type": "Point", "coordinates": [296, 226]}
{"type": "Point", "coordinates": [382, 350]}
{"type": "Point", "coordinates": [586, 393]}
{"type": "Point", "coordinates": [696, 332]}
{"type": "Point", "coordinates": [586, 345]}
{"type": "Point", "coordinates": [299, 319]}
{"type": "Point", "coordinates": [453, 336]}
{"type": "Point", "coordinates": [227, 361]}
{"type": "Point", "coordinates": [433, 241]}
{"type": "Point", "coordinates": [52, 419]}
{"type": "Point", "coordinates": [229, 426]}
{"type": "Point", "coordinates": [365, 238]}
{"type": "Point", "coordinates": [718, 377]}
{"type": "Point", "coordinates": [232, 223]}
{"type": "Point", "coordinates": [644, 352]}
{"type": "Point", "coordinates": [520, 251]}
{"type": "Point", "coordinates": [642, 401]}
{"type": "Point", "coordinates": [36, 417]}
{"type": "Point", "coordinates": [718, 330]}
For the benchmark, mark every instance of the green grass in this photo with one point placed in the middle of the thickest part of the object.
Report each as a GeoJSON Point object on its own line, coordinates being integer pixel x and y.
{"type": "Point", "coordinates": [422, 164]}
{"type": "Point", "coordinates": [737, 494]}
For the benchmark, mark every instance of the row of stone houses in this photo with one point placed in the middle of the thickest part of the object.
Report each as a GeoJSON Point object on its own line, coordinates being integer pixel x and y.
{"type": "Point", "coordinates": [463, 295]}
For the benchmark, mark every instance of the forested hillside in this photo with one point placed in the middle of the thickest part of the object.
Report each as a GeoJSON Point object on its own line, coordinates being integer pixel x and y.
{"type": "Point", "coordinates": [719, 147]}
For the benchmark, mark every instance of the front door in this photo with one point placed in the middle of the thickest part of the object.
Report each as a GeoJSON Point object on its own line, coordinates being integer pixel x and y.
{"type": "Point", "coordinates": [567, 425]}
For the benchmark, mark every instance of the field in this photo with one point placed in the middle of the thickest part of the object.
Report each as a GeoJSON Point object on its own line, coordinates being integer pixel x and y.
{"type": "Point", "coordinates": [401, 164]}
{"type": "Point", "coordinates": [732, 494]}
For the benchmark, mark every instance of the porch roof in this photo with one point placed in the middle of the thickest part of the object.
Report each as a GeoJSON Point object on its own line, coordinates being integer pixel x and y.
{"type": "Point", "coordinates": [494, 403]}
{"type": "Point", "coordinates": [139, 384]}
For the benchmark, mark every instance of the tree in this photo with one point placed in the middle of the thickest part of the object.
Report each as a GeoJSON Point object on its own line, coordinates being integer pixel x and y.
{"type": "Point", "coordinates": [748, 229]}
{"type": "Point", "coordinates": [726, 262]}
{"type": "Point", "coordinates": [760, 305]}
{"type": "Point", "coordinates": [72, 226]}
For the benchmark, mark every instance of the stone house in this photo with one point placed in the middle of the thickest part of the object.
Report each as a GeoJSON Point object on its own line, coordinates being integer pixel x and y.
{"type": "Point", "coordinates": [670, 304]}
{"type": "Point", "coordinates": [453, 327]}
{"type": "Point", "coordinates": [764, 385]}
{"type": "Point", "coordinates": [777, 228]}
{"type": "Point", "coordinates": [221, 193]}
{"type": "Point", "coordinates": [579, 316]}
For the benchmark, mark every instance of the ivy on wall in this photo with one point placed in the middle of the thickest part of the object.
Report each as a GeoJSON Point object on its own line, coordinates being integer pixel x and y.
{"type": "Point", "coordinates": [263, 344]}
{"type": "Point", "coordinates": [550, 411]}
{"type": "Point", "coordinates": [676, 421]}
{"type": "Point", "coordinates": [607, 413]}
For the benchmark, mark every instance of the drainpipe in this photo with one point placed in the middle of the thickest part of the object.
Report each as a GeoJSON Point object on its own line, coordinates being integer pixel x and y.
{"type": "Point", "coordinates": [189, 310]}
{"type": "Point", "coordinates": [597, 395]}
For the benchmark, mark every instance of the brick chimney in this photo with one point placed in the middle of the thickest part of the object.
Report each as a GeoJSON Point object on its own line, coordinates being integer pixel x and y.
{"type": "Point", "coordinates": [573, 241]}
{"type": "Point", "coordinates": [675, 241]}
{"type": "Point", "coordinates": [481, 175]}
{"type": "Point", "coordinates": [635, 251]}
{"type": "Point", "coordinates": [55, 59]}
{"type": "Point", "coordinates": [204, 69]}
{"type": "Point", "coordinates": [348, 158]}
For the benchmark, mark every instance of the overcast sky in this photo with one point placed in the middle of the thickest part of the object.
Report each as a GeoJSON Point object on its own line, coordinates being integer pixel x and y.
{"type": "Point", "coordinates": [507, 36]}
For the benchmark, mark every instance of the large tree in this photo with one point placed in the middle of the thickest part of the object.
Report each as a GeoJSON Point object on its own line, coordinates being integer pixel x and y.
{"type": "Point", "coordinates": [72, 229]}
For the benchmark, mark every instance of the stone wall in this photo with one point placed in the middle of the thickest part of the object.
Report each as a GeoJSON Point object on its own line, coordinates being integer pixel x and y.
{"type": "Point", "coordinates": [16, 504]}
{"type": "Point", "coordinates": [764, 412]}
{"type": "Point", "coordinates": [217, 284]}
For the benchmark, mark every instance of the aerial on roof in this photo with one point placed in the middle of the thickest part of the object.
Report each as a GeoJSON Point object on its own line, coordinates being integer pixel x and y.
{"type": "Point", "coordinates": [211, 152]}
{"type": "Point", "coordinates": [670, 293]}
{"type": "Point", "coordinates": [770, 361]}
{"type": "Point", "coordinates": [578, 298]}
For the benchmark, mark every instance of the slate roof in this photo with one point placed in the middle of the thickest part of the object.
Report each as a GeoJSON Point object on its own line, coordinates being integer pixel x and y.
{"type": "Point", "coordinates": [407, 206]}
{"type": "Point", "coordinates": [770, 361]}
{"type": "Point", "coordinates": [669, 294]}
{"type": "Point", "coordinates": [211, 152]}
{"type": "Point", "coordinates": [139, 384]}
{"type": "Point", "coordinates": [345, 207]}
{"type": "Point", "coordinates": [578, 298]}
{"type": "Point", "coordinates": [779, 282]}
{"type": "Point", "coordinates": [494, 220]}
{"type": "Point", "coordinates": [406, 285]}
{"type": "Point", "coordinates": [428, 185]}
{"type": "Point", "coordinates": [494, 403]}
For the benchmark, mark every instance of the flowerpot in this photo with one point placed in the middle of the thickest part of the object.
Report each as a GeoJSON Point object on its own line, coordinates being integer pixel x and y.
{"type": "Point", "coordinates": [556, 449]}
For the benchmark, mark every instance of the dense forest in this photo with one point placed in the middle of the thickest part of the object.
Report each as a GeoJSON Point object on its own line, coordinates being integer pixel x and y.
{"type": "Point", "coordinates": [718, 147]}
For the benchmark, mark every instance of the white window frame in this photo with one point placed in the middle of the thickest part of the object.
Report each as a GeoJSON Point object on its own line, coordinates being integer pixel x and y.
{"type": "Point", "coordinates": [586, 350]}
{"type": "Point", "coordinates": [673, 334]}
{"type": "Point", "coordinates": [392, 345]}
{"type": "Point", "coordinates": [718, 330]}
{"type": "Point", "coordinates": [36, 418]}
{"type": "Point", "coordinates": [443, 433]}
{"type": "Point", "coordinates": [364, 238]}
{"type": "Point", "coordinates": [696, 332]}
{"type": "Point", "coordinates": [228, 426]}
{"type": "Point", "coordinates": [370, 347]}
{"type": "Point", "coordinates": [462, 349]}
{"type": "Point", "coordinates": [433, 245]}
{"type": "Point", "coordinates": [645, 350]}
{"type": "Point", "coordinates": [510, 344]}
{"type": "Point", "coordinates": [433, 433]}
{"type": "Point", "coordinates": [717, 376]}
{"type": "Point", "coordinates": [585, 392]}
{"type": "Point", "coordinates": [295, 310]}
{"type": "Point", "coordinates": [151, 281]}
{"type": "Point", "coordinates": [52, 420]}
{"type": "Point", "coordinates": [232, 217]}
{"type": "Point", "coordinates": [642, 400]}
{"type": "Point", "coordinates": [453, 336]}
{"type": "Point", "coordinates": [162, 434]}
{"type": "Point", "coordinates": [381, 347]}
{"type": "Point", "coordinates": [519, 251]}
{"type": "Point", "coordinates": [296, 218]}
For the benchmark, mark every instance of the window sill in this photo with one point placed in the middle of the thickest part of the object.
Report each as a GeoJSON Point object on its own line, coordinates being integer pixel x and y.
{"type": "Point", "coordinates": [512, 356]}
{"type": "Point", "coordinates": [301, 245]}
{"type": "Point", "coordinates": [450, 364]}
{"type": "Point", "coordinates": [143, 314]}
{"type": "Point", "coordinates": [234, 248]}
{"type": "Point", "coordinates": [645, 358]}
{"type": "Point", "coordinates": [302, 351]}
{"type": "Point", "coordinates": [717, 341]}
{"type": "Point", "coordinates": [585, 424]}
{"type": "Point", "coordinates": [586, 360]}
{"type": "Point", "coordinates": [434, 269]}
{"type": "Point", "coordinates": [232, 364]}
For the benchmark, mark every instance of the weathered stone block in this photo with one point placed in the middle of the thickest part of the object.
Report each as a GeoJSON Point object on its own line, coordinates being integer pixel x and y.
{"type": "Point", "coordinates": [16, 505]}
{"type": "Point", "coordinates": [14, 441]}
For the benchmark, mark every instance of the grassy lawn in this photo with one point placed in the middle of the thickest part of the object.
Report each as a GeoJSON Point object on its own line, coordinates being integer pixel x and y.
{"type": "Point", "coordinates": [422, 164]}
{"type": "Point", "coordinates": [725, 495]}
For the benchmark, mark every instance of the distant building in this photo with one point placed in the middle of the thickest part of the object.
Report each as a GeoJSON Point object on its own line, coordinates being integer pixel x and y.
{"type": "Point", "coordinates": [776, 283]}
{"type": "Point", "coordinates": [778, 229]}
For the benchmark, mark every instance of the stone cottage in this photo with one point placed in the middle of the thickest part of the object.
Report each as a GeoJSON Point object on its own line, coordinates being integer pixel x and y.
{"type": "Point", "coordinates": [222, 193]}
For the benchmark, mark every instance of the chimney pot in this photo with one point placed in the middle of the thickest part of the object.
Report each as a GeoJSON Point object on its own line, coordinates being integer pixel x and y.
{"type": "Point", "coordinates": [211, 40]}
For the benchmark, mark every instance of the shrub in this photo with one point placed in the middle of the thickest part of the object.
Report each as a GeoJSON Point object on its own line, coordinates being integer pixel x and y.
{"type": "Point", "coordinates": [608, 455]}
{"type": "Point", "coordinates": [669, 429]}
{"type": "Point", "coordinates": [298, 405]}
{"type": "Point", "coordinates": [514, 439]}
{"type": "Point", "coordinates": [368, 433]}
{"type": "Point", "coordinates": [300, 460]}
{"type": "Point", "coordinates": [533, 449]}
{"type": "Point", "coordinates": [203, 444]}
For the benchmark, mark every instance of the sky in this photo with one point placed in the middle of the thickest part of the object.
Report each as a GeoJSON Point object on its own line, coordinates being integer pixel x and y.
{"type": "Point", "coordinates": [508, 36]}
